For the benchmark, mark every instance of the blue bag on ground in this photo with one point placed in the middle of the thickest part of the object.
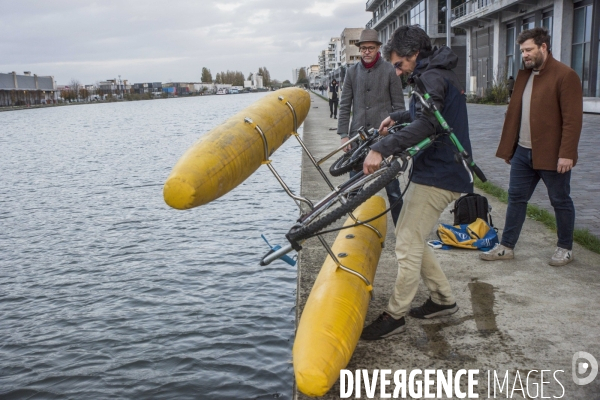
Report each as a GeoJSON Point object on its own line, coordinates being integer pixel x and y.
{"type": "Point", "coordinates": [476, 236]}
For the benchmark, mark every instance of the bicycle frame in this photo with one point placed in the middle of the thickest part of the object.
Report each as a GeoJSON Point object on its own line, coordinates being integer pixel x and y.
{"type": "Point", "coordinates": [464, 156]}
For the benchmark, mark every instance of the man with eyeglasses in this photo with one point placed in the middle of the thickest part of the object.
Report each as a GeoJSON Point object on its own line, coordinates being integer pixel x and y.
{"type": "Point", "coordinates": [437, 179]}
{"type": "Point", "coordinates": [371, 92]}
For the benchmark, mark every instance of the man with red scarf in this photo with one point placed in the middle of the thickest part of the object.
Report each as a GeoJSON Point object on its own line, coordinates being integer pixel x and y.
{"type": "Point", "coordinates": [371, 92]}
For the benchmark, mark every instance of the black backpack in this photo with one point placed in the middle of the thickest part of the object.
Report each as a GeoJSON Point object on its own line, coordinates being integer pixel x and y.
{"type": "Point", "coordinates": [470, 207]}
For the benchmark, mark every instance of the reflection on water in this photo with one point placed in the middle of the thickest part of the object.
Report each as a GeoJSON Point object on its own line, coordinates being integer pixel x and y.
{"type": "Point", "coordinates": [106, 292]}
{"type": "Point", "coordinates": [482, 301]}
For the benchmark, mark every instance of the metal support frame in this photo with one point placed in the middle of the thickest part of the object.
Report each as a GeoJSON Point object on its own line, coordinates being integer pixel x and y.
{"type": "Point", "coordinates": [300, 199]}
{"type": "Point", "coordinates": [308, 153]}
{"type": "Point", "coordinates": [357, 221]}
{"type": "Point", "coordinates": [344, 268]}
{"type": "Point", "coordinates": [297, 199]}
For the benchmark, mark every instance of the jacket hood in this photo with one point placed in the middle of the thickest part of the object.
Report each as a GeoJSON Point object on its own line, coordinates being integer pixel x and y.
{"type": "Point", "coordinates": [442, 58]}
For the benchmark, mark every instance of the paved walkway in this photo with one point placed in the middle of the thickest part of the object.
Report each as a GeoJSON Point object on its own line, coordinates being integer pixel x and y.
{"type": "Point", "coordinates": [485, 123]}
{"type": "Point", "coordinates": [517, 316]}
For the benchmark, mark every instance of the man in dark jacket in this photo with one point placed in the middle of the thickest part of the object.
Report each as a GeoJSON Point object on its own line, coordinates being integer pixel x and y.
{"type": "Point", "coordinates": [436, 182]}
{"type": "Point", "coordinates": [333, 93]}
{"type": "Point", "coordinates": [539, 140]}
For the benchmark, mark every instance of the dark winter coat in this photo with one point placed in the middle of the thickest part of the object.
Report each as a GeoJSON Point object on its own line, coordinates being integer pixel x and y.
{"type": "Point", "coordinates": [435, 166]}
{"type": "Point", "coordinates": [371, 95]}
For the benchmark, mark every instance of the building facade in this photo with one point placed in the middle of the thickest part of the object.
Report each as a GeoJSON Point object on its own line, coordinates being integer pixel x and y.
{"type": "Point", "coordinates": [26, 89]}
{"type": "Point", "coordinates": [333, 59]}
{"type": "Point", "coordinates": [154, 88]}
{"type": "Point", "coordinates": [312, 74]}
{"type": "Point", "coordinates": [349, 53]}
{"type": "Point", "coordinates": [493, 53]}
{"type": "Point", "coordinates": [389, 15]}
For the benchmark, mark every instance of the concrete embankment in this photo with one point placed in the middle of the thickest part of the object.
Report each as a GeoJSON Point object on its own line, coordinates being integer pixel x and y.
{"type": "Point", "coordinates": [516, 317]}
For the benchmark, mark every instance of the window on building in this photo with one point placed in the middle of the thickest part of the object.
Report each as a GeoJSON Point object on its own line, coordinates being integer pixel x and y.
{"type": "Point", "coordinates": [511, 33]}
{"type": "Point", "coordinates": [404, 18]}
{"type": "Point", "coordinates": [528, 23]}
{"type": "Point", "coordinates": [547, 21]}
{"type": "Point", "coordinates": [353, 42]}
{"type": "Point", "coordinates": [598, 68]}
{"type": "Point", "coordinates": [582, 37]}
{"type": "Point", "coordinates": [418, 15]}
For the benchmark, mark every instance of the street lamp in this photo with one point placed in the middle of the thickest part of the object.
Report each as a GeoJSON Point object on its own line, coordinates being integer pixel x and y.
{"type": "Point", "coordinates": [448, 10]}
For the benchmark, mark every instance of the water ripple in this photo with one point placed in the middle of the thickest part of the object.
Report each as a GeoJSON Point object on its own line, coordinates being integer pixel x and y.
{"type": "Point", "coordinates": [107, 293]}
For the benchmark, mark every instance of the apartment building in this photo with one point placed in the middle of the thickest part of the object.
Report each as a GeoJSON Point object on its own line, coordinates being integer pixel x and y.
{"type": "Point", "coordinates": [333, 58]}
{"type": "Point", "coordinates": [312, 73]}
{"type": "Point", "coordinates": [493, 25]}
{"type": "Point", "coordinates": [430, 15]}
{"type": "Point", "coordinates": [349, 53]}
{"type": "Point", "coordinates": [484, 32]}
{"type": "Point", "coordinates": [322, 63]}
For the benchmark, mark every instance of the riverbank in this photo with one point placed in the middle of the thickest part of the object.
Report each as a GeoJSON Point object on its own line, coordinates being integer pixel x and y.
{"type": "Point", "coordinates": [518, 316]}
{"type": "Point", "coordinates": [133, 98]}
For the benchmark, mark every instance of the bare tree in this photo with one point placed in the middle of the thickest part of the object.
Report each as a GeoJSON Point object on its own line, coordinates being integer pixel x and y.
{"type": "Point", "coordinates": [74, 87]}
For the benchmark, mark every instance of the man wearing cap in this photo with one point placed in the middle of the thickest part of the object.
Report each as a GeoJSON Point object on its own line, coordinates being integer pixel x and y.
{"type": "Point", "coordinates": [371, 92]}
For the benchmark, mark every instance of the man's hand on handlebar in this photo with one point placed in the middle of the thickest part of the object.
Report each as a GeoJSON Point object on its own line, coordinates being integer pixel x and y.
{"type": "Point", "coordinates": [347, 148]}
{"type": "Point", "coordinates": [387, 123]}
{"type": "Point", "coordinates": [372, 162]}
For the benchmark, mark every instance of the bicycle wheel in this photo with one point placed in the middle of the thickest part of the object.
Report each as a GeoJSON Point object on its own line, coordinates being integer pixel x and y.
{"type": "Point", "coordinates": [339, 209]}
{"type": "Point", "coordinates": [344, 164]}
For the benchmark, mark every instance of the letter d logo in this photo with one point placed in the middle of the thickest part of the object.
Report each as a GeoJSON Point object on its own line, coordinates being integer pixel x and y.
{"type": "Point", "coordinates": [580, 367]}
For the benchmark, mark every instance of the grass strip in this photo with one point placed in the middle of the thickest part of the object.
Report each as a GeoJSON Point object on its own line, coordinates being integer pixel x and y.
{"type": "Point", "coordinates": [321, 96]}
{"type": "Point", "coordinates": [581, 236]}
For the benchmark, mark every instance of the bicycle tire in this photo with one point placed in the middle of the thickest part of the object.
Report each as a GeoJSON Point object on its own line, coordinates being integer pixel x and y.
{"type": "Point", "coordinates": [302, 232]}
{"type": "Point", "coordinates": [343, 164]}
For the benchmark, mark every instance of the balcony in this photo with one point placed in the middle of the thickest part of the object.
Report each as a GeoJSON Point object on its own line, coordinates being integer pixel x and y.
{"type": "Point", "coordinates": [439, 30]}
{"type": "Point", "coordinates": [372, 5]}
{"type": "Point", "coordinates": [386, 12]}
{"type": "Point", "coordinates": [468, 12]}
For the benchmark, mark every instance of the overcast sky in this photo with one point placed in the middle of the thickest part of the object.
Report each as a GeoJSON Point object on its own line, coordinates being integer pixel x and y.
{"type": "Point", "coordinates": [151, 40]}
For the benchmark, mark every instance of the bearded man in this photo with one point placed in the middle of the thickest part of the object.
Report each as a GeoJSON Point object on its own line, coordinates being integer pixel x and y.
{"type": "Point", "coordinates": [539, 140]}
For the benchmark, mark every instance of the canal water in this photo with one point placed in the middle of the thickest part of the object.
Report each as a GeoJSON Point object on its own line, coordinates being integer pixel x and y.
{"type": "Point", "coordinates": [106, 292]}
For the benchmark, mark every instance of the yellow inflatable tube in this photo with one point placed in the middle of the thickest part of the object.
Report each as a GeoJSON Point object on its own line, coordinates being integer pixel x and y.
{"type": "Point", "coordinates": [335, 311]}
{"type": "Point", "coordinates": [230, 153]}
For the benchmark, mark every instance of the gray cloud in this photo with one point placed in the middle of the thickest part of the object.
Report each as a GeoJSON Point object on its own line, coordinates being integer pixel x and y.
{"type": "Point", "coordinates": [160, 41]}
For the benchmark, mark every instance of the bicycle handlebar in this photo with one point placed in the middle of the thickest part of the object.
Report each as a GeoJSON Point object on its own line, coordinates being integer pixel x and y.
{"type": "Point", "coordinates": [478, 172]}
{"type": "Point", "coordinates": [275, 254]}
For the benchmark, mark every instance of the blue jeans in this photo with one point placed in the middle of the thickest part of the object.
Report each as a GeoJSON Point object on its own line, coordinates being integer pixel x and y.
{"type": "Point", "coordinates": [523, 180]}
{"type": "Point", "coordinates": [394, 193]}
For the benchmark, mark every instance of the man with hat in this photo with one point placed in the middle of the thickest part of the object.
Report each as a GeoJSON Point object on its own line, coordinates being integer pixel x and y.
{"type": "Point", "coordinates": [371, 92]}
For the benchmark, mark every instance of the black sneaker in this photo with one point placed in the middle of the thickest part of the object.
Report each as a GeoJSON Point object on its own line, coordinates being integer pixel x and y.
{"type": "Point", "coordinates": [432, 310]}
{"type": "Point", "coordinates": [385, 325]}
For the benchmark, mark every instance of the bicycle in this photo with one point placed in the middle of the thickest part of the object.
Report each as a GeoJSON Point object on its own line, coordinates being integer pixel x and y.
{"type": "Point", "coordinates": [354, 158]}
{"type": "Point", "coordinates": [352, 193]}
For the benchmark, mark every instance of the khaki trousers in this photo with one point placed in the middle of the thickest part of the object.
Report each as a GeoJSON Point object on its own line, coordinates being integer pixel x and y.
{"type": "Point", "coordinates": [422, 208]}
